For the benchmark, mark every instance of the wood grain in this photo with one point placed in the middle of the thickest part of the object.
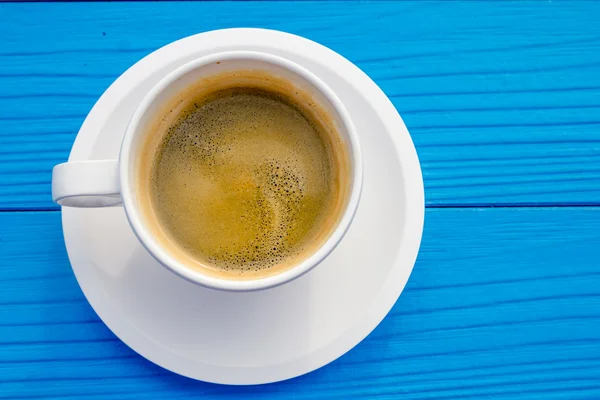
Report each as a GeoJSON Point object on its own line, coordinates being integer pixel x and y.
{"type": "Point", "coordinates": [502, 302]}
{"type": "Point", "coordinates": [502, 98]}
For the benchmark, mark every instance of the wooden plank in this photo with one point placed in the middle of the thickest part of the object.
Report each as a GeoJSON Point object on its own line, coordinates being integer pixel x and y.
{"type": "Point", "coordinates": [501, 302]}
{"type": "Point", "coordinates": [501, 98]}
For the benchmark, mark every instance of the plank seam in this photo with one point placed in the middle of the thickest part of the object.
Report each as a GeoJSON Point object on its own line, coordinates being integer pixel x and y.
{"type": "Point", "coordinates": [573, 205]}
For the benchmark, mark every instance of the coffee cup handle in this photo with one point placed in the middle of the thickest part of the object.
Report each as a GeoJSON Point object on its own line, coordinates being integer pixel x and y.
{"type": "Point", "coordinates": [87, 184]}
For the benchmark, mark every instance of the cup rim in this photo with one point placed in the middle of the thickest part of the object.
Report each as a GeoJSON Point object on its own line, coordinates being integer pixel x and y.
{"type": "Point", "coordinates": [167, 260]}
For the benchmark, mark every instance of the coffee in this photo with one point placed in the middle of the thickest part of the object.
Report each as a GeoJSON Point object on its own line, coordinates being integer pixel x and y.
{"type": "Point", "coordinates": [243, 176]}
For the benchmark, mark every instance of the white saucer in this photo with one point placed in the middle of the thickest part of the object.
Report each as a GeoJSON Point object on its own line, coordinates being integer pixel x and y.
{"type": "Point", "coordinates": [276, 334]}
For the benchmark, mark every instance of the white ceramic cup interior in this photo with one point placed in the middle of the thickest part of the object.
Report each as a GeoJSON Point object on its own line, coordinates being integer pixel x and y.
{"type": "Point", "coordinates": [102, 183]}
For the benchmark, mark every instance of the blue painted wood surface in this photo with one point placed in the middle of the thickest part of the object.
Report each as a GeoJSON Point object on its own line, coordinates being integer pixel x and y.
{"type": "Point", "coordinates": [502, 302]}
{"type": "Point", "coordinates": [502, 100]}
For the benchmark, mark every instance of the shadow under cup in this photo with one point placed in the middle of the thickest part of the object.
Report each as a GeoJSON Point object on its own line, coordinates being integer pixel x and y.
{"type": "Point", "coordinates": [163, 107]}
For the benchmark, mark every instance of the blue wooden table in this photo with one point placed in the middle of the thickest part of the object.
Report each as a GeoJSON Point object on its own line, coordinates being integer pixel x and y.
{"type": "Point", "coordinates": [503, 102]}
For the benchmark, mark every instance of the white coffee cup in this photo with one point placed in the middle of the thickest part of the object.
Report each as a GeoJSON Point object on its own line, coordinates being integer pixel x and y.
{"type": "Point", "coordinates": [104, 183]}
